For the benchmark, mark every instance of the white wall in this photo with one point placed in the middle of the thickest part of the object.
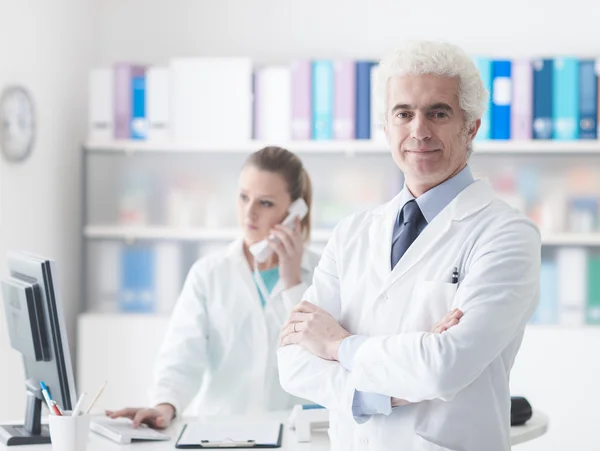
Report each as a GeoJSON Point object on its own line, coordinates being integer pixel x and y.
{"type": "Point", "coordinates": [557, 370]}
{"type": "Point", "coordinates": [47, 47]}
{"type": "Point", "coordinates": [277, 30]}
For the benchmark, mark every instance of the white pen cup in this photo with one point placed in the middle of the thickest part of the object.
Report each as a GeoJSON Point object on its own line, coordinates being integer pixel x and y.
{"type": "Point", "coordinates": [69, 433]}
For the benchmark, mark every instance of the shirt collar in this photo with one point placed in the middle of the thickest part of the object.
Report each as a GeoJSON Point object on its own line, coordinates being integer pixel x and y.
{"type": "Point", "coordinates": [437, 198]}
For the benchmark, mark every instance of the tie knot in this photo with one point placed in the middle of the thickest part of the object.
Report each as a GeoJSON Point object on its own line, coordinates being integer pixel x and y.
{"type": "Point", "coordinates": [411, 212]}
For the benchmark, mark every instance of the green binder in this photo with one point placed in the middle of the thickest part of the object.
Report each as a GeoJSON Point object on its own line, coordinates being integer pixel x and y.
{"type": "Point", "coordinates": [593, 303]}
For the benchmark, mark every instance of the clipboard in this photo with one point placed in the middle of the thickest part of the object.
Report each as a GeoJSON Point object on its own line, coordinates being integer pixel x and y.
{"type": "Point", "coordinates": [226, 435]}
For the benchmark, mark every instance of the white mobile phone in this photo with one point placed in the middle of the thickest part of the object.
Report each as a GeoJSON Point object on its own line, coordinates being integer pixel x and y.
{"type": "Point", "coordinates": [298, 209]}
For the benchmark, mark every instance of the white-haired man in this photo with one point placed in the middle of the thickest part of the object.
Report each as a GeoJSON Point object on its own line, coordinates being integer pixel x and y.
{"type": "Point", "coordinates": [362, 343]}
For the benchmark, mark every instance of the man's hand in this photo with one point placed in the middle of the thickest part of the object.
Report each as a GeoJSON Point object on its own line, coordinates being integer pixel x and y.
{"type": "Point", "coordinates": [396, 402]}
{"type": "Point", "coordinates": [449, 320]}
{"type": "Point", "coordinates": [314, 329]}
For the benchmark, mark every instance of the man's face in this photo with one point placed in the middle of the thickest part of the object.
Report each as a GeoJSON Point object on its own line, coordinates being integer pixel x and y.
{"type": "Point", "coordinates": [426, 129]}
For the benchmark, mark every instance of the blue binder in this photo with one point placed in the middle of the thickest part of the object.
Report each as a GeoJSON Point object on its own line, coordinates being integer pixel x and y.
{"type": "Point", "coordinates": [547, 311]}
{"type": "Point", "coordinates": [484, 65]}
{"type": "Point", "coordinates": [565, 99]}
{"type": "Point", "coordinates": [363, 99]}
{"type": "Point", "coordinates": [322, 101]}
{"type": "Point", "coordinates": [588, 100]}
{"type": "Point", "coordinates": [501, 99]}
{"type": "Point", "coordinates": [542, 99]}
{"type": "Point", "coordinates": [137, 279]}
{"type": "Point", "coordinates": [139, 122]}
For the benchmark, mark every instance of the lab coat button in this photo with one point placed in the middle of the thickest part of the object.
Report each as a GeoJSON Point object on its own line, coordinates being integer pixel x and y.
{"type": "Point", "coordinates": [364, 441]}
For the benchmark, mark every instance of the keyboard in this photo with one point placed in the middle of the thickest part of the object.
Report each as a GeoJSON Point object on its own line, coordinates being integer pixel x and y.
{"type": "Point", "coordinates": [120, 430]}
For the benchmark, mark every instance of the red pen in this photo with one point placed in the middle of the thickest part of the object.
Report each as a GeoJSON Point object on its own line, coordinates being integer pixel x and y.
{"type": "Point", "coordinates": [51, 404]}
{"type": "Point", "coordinates": [56, 409]}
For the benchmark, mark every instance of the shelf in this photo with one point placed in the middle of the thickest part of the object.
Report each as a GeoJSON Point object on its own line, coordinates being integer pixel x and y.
{"type": "Point", "coordinates": [318, 235]}
{"type": "Point", "coordinates": [537, 147]}
{"type": "Point", "coordinates": [567, 328]}
{"type": "Point", "coordinates": [571, 239]}
{"type": "Point", "coordinates": [345, 147]}
{"type": "Point", "coordinates": [358, 146]}
{"type": "Point", "coordinates": [176, 234]}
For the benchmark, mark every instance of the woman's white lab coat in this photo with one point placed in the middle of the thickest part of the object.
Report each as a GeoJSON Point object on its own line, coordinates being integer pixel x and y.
{"type": "Point", "coordinates": [221, 343]}
{"type": "Point", "coordinates": [457, 382]}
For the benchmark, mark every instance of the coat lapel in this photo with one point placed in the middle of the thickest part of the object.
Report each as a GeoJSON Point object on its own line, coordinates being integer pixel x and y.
{"type": "Point", "coordinates": [235, 252]}
{"type": "Point", "coordinates": [380, 237]}
{"type": "Point", "coordinates": [471, 200]}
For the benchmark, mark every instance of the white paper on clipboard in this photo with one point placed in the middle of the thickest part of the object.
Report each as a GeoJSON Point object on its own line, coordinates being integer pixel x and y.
{"type": "Point", "coordinates": [263, 434]}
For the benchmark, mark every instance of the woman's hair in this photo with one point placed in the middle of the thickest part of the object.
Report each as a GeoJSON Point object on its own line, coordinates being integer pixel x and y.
{"type": "Point", "coordinates": [289, 166]}
{"type": "Point", "coordinates": [436, 58]}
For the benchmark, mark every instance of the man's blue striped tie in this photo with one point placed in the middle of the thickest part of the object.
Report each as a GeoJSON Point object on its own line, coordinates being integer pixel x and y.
{"type": "Point", "coordinates": [413, 219]}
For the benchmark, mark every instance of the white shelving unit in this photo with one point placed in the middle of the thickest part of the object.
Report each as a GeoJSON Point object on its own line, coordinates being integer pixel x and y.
{"type": "Point", "coordinates": [572, 239]}
{"type": "Point", "coordinates": [174, 233]}
{"type": "Point", "coordinates": [358, 146]}
{"type": "Point", "coordinates": [102, 229]}
{"type": "Point", "coordinates": [319, 235]}
{"type": "Point", "coordinates": [535, 373]}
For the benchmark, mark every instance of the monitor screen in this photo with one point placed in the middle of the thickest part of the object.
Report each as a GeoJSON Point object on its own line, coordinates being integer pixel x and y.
{"type": "Point", "coordinates": [37, 330]}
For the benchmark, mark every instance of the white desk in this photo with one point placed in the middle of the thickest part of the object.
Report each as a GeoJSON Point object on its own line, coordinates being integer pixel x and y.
{"type": "Point", "coordinates": [535, 427]}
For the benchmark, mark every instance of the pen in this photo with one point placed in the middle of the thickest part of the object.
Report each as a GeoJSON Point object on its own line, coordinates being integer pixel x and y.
{"type": "Point", "coordinates": [45, 388]}
{"type": "Point", "coordinates": [60, 412]}
{"type": "Point", "coordinates": [455, 275]}
{"type": "Point", "coordinates": [77, 408]}
{"type": "Point", "coordinates": [96, 398]}
{"type": "Point", "coordinates": [52, 406]}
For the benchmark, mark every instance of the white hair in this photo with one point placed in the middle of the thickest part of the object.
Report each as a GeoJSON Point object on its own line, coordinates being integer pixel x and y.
{"type": "Point", "coordinates": [435, 58]}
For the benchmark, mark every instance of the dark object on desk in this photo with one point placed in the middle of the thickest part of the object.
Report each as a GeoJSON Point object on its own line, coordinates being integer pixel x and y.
{"type": "Point", "coordinates": [520, 410]}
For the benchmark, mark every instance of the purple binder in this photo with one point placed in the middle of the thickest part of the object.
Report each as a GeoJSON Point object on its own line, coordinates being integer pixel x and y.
{"type": "Point", "coordinates": [522, 99]}
{"type": "Point", "coordinates": [344, 99]}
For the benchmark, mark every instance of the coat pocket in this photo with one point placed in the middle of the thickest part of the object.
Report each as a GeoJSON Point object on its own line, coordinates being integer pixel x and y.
{"type": "Point", "coordinates": [429, 302]}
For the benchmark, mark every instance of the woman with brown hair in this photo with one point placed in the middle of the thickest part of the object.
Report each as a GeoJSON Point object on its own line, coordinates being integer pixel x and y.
{"type": "Point", "coordinates": [220, 346]}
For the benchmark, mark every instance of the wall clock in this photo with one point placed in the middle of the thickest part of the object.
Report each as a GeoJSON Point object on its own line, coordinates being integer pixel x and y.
{"type": "Point", "coordinates": [17, 123]}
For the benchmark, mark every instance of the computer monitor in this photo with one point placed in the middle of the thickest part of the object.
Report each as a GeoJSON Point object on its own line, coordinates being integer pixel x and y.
{"type": "Point", "coordinates": [37, 330]}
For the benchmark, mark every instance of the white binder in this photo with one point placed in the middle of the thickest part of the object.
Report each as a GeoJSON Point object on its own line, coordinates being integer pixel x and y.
{"type": "Point", "coordinates": [101, 105]}
{"type": "Point", "coordinates": [211, 100]}
{"type": "Point", "coordinates": [158, 103]}
{"type": "Point", "coordinates": [273, 104]}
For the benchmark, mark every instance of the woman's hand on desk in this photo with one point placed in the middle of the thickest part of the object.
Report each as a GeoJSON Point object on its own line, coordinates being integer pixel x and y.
{"type": "Point", "coordinates": [158, 417]}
